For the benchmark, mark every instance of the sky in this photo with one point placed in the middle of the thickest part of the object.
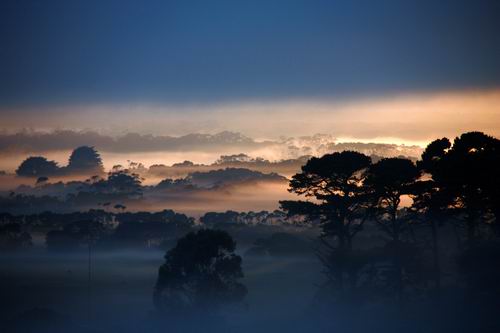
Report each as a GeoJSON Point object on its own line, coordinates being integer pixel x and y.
{"type": "Point", "coordinates": [393, 70]}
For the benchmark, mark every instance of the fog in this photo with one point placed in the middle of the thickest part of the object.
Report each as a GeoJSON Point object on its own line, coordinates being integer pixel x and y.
{"type": "Point", "coordinates": [353, 242]}
{"type": "Point", "coordinates": [201, 149]}
{"type": "Point", "coordinates": [249, 166]}
{"type": "Point", "coordinates": [254, 196]}
{"type": "Point", "coordinates": [122, 286]}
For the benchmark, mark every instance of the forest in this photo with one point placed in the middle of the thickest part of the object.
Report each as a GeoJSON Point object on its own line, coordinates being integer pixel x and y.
{"type": "Point", "coordinates": [358, 243]}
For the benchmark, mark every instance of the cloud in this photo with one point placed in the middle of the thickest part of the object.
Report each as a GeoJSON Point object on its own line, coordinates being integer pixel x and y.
{"type": "Point", "coordinates": [209, 51]}
{"type": "Point", "coordinates": [228, 149]}
{"type": "Point", "coordinates": [401, 118]}
{"type": "Point", "coordinates": [129, 143]}
{"type": "Point", "coordinates": [270, 129]}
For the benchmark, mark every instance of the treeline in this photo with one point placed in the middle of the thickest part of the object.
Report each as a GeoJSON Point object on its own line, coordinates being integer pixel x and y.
{"type": "Point", "coordinates": [104, 230]}
{"type": "Point", "coordinates": [123, 187]}
{"type": "Point", "coordinates": [86, 160]}
{"type": "Point", "coordinates": [403, 231]}
{"type": "Point", "coordinates": [107, 230]}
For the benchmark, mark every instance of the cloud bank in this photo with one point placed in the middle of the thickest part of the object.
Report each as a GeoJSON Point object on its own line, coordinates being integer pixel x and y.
{"type": "Point", "coordinates": [407, 118]}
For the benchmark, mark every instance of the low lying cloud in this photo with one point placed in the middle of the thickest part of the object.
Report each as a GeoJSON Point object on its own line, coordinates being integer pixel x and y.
{"type": "Point", "coordinates": [132, 142]}
{"type": "Point", "coordinates": [400, 118]}
{"type": "Point", "coordinates": [274, 130]}
{"type": "Point", "coordinates": [231, 188]}
{"type": "Point", "coordinates": [229, 149]}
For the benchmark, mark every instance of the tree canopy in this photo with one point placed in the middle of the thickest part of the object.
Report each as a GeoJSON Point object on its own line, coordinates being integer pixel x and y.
{"type": "Point", "coordinates": [466, 174]}
{"type": "Point", "coordinates": [37, 166]}
{"type": "Point", "coordinates": [201, 273]}
{"type": "Point", "coordinates": [335, 181]}
{"type": "Point", "coordinates": [85, 159]}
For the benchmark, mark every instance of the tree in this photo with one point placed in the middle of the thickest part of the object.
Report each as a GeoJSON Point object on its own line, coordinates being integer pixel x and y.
{"type": "Point", "coordinates": [430, 201]}
{"type": "Point", "coordinates": [85, 159]}
{"type": "Point", "coordinates": [120, 183]}
{"type": "Point", "coordinates": [389, 180]}
{"type": "Point", "coordinates": [464, 184]}
{"type": "Point", "coordinates": [335, 181]}
{"type": "Point", "coordinates": [37, 166]}
{"type": "Point", "coordinates": [201, 273]}
{"type": "Point", "coordinates": [430, 208]}
{"type": "Point", "coordinates": [466, 174]}
{"type": "Point", "coordinates": [220, 220]}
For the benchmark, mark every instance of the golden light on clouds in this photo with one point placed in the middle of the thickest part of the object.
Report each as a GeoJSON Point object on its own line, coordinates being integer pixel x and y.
{"type": "Point", "coordinates": [403, 118]}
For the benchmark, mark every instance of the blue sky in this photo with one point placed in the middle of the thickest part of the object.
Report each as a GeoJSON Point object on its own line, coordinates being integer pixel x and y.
{"type": "Point", "coordinates": [177, 52]}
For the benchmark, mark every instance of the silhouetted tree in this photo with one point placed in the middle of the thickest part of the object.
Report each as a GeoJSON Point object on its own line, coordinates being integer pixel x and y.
{"type": "Point", "coordinates": [465, 183]}
{"type": "Point", "coordinates": [217, 220]}
{"type": "Point", "coordinates": [37, 166]}
{"type": "Point", "coordinates": [121, 183]}
{"type": "Point", "coordinates": [389, 180]}
{"type": "Point", "coordinates": [85, 159]}
{"type": "Point", "coordinates": [430, 201]}
{"type": "Point", "coordinates": [336, 182]}
{"type": "Point", "coordinates": [466, 174]}
{"type": "Point", "coordinates": [145, 229]}
{"type": "Point", "coordinates": [201, 273]}
{"type": "Point", "coordinates": [429, 208]}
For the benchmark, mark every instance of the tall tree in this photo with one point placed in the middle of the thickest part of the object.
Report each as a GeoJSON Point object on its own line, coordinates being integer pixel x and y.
{"type": "Point", "coordinates": [335, 182]}
{"type": "Point", "coordinates": [390, 180]}
{"type": "Point", "coordinates": [466, 174]}
{"type": "Point", "coordinates": [200, 274]}
{"type": "Point", "coordinates": [430, 202]}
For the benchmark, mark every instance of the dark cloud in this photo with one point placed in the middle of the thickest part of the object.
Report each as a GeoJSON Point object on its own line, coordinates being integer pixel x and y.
{"type": "Point", "coordinates": [177, 51]}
